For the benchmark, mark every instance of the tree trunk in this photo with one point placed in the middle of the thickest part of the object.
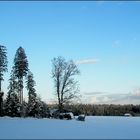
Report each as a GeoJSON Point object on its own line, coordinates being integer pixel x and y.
{"type": "Point", "coordinates": [21, 90]}
{"type": "Point", "coordinates": [1, 103]}
{"type": "Point", "coordinates": [60, 107]}
{"type": "Point", "coordinates": [0, 80]}
{"type": "Point", "coordinates": [0, 84]}
{"type": "Point", "coordinates": [21, 97]}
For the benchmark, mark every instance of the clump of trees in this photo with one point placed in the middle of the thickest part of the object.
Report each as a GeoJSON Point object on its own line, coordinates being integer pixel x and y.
{"type": "Point", "coordinates": [14, 105]}
{"type": "Point", "coordinates": [65, 85]}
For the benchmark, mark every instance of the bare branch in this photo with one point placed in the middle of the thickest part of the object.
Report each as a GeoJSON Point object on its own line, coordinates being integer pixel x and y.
{"type": "Point", "coordinates": [64, 83]}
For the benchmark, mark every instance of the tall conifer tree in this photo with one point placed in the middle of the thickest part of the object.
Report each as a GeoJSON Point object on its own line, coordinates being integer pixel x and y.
{"type": "Point", "coordinates": [20, 69]}
{"type": "Point", "coordinates": [3, 68]}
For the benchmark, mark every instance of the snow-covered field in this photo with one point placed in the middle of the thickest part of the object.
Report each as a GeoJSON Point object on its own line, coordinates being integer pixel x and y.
{"type": "Point", "coordinates": [93, 128]}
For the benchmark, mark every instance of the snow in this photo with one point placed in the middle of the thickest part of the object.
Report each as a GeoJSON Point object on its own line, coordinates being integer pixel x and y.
{"type": "Point", "coordinates": [70, 113]}
{"type": "Point", "coordinates": [92, 128]}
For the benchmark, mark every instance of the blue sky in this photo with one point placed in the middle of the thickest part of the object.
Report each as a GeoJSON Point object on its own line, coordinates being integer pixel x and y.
{"type": "Point", "coordinates": [103, 37]}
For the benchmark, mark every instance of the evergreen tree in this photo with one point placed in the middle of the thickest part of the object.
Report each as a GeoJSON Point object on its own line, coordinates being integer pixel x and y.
{"type": "Point", "coordinates": [25, 109]}
{"type": "Point", "coordinates": [31, 94]}
{"type": "Point", "coordinates": [38, 108]}
{"type": "Point", "coordinates": [1, 103]}
{"type": "Point", "coordinates": [12, 104]}
{"type": "Point", "coordinates": [45, 110]}
{"type": "Point", "coordinates": [20, 70]}
{"type": "Point", "coordinates": [3, 62]}
{"type": "Point", "coordinates": [3, 68]}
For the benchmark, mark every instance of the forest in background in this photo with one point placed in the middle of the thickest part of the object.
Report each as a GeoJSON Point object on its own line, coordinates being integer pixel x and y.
{"type": "Point", "coordinates": [103, 109]}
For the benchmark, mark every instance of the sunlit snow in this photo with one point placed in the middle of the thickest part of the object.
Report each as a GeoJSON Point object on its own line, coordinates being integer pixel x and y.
{"type": "Point", "coordinates": [92, 128]}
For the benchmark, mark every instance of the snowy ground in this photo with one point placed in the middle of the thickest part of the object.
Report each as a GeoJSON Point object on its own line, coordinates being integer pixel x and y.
{"type": "Point", "coordinates": [92, 128]}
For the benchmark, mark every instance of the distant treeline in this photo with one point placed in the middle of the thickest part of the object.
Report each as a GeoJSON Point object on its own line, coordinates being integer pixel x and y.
{"type": "Point", "coordinates": [43, 110]}
{"type": "Point", "coordinates": [102, 110]}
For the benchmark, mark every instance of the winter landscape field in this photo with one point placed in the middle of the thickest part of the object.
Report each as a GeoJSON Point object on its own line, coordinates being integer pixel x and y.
{"type": "Point", "coordinates": [92, 128]}
{"type": "Point", "coordinates": [60, 59]}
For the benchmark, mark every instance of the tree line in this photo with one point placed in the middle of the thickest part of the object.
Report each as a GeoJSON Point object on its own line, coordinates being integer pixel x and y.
{"type": "Point", "coordinates": [101, 109]}
{"type": "Point", "coordinates": [65, 86]}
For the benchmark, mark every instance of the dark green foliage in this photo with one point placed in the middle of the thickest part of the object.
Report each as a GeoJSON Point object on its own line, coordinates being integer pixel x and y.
{"type": "Point", "coordinates": [20, 63]}
{"type": "Point", "coordinates": [3, 62]}
{"type": "Point", "coordinates": [12, 104]}
{"type": "Point", "coordinates": [20, 69]}
{"type": "Point", "coordinates": [25, 109]}
{"type": "Point", "coordinates": [38, 109]}
{"type": "Point", "coordinates": [30, 84]}
{"type": "Point", "coordinates": [45, 110]}
{"type": "Point", "coordinates": [32, 97]}
{"type": "Point", "coordinates": [41, 109]}
{"type": "Point", "coordinates": [35, 107]}
{"type": "Point", "coordinates": [1, 103]}
{"type": "Point", "coordinates": [104, 110]}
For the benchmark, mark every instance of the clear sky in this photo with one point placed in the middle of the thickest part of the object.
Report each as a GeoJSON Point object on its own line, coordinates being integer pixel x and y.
{"type": "Point", "coordinates": [103, 37]}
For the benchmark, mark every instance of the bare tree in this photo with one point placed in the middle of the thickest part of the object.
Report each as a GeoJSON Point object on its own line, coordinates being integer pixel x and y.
{"type": "Point", "coordinates": [65, 85]}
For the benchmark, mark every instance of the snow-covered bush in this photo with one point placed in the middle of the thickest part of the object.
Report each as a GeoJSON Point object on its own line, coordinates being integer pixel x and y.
{"type": "Point", "coordinates": [67, 116]}
{"type": "Point", "coordinates": [81, 117]}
